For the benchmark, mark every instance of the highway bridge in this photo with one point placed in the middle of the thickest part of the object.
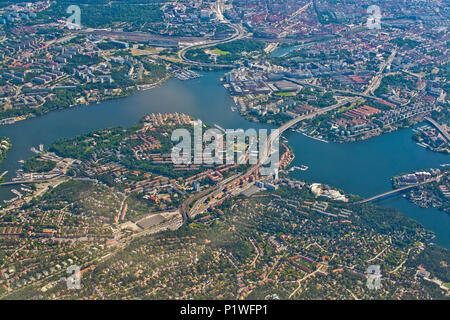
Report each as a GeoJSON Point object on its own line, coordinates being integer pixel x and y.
{"type": "Point", "coordinates": [11, 183]}
{"type": "Point", "coordinates": [141, 36]}
{"type": "Point", "coordinates": [239, 33]}
{"type": "Point", "coordinates": [439, 128]}
{"type": "Point", "coordinates": [399, 190]}
{"type": "Point", "coordinates": [138, 35]}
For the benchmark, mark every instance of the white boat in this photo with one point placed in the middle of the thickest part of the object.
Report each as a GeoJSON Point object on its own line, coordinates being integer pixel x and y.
{"type": "Point", "coordinates": [11, 200]}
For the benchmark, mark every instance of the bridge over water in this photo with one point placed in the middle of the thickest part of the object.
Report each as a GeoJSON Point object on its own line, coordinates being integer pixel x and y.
{"type": "Point", "coordinates": [399, 190]}
{"type": "Point", "coordinates": [439, 128]}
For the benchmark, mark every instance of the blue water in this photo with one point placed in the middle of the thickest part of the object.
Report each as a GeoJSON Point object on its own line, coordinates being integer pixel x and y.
{"type": "Point", "coordinates": [363, 168]}
{"type": "Point", "coordinates": [366, 168]}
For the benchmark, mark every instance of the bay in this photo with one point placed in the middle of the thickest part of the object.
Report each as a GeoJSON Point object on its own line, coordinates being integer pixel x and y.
{"type": "Point", "coordinates": [363, 168]}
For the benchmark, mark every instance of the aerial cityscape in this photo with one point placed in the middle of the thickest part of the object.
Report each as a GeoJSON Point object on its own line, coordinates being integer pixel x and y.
{"type": "Point", "coordinates": [224, 150]}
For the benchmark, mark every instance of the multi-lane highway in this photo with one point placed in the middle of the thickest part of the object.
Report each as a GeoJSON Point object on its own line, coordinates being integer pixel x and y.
{"type": "Point", "coordinates": [440, 128]}
{"type": "Point", "coordinates": [239, 33]}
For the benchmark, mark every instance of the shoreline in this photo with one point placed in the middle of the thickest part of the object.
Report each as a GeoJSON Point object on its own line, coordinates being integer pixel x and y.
{"type": "Point", "coordinates": [141, 87]}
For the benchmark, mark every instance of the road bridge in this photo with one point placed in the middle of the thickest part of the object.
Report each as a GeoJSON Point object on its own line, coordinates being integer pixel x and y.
{"type": "Point", "coordinates": [11, 183]}
{"type": "Point", "coordinates": [239, 33]}
{"type": "Point", "coordinates": [439, 128]}
{"type": "Point", "coordinates": [399, 190]}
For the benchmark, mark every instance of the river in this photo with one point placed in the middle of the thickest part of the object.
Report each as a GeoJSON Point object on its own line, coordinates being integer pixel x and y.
{"type": "Point", "coordinates": [363, 168]}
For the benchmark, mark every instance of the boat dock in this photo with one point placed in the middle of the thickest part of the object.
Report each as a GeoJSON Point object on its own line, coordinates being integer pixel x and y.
{"type": "Point", "coordinates": [184, 75]}
{"type": "Point", "coordinates": [315, 138]}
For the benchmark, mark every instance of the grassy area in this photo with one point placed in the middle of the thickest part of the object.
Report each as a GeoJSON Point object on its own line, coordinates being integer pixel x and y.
{"type": "Point", "coordinates": [221, 52]}
{"type": "Point", "coordinates": [285, 94]}
{"type": "Point", "coordinates": [36, 164]}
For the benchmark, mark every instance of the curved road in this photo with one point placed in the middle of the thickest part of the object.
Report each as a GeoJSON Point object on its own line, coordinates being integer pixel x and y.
{"type": "Point", "coordinates": [239, 33]}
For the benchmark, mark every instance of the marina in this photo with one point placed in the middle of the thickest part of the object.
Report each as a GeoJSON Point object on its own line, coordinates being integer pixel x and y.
{"type": "Point", "coordinates": [39, 150]}
{"type": "Point", "coordinates": [315, 138]}
{"type": "Point", "coordinates": [11, 200]}
{"type": "Point", "coordinates": [185, 75]}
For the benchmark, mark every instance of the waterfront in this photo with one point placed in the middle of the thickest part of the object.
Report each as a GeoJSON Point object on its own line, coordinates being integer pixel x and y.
{"type": "Point", "coordinates": [363, 168]}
